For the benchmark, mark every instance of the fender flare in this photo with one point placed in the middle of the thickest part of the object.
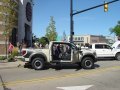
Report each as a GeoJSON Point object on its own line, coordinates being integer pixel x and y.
{"type": "Point", "coordinates": [89, 55]}
{"type": "Point", "coordinates": [32, 56]}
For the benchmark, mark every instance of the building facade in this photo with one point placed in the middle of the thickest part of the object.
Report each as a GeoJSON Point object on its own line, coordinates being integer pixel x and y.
{"type": "Point", "coordinates": [25, 22]}
{"type": "Point", "coordinates": [19, 31]}
{"type": "Point", "coordinates": [87, 39]}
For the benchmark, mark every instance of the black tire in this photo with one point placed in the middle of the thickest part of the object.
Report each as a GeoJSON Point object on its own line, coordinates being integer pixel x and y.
{"type": "Point", "coordinates": [117, 56]}
{"type": "Point", "coordinates": [87, 63]}
{"type": "Point", "coordinates": [38, 63]}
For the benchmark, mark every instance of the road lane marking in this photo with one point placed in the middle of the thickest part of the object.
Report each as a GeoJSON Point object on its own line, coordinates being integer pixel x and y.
{"type": "Point", "coordinates": [85, 87]}
{"type": "Point", "coordinates": [57, 77]}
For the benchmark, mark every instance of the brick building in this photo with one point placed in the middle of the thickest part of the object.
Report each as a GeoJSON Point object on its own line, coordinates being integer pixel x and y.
{"type": "Point", "coordinates": [85, 39]}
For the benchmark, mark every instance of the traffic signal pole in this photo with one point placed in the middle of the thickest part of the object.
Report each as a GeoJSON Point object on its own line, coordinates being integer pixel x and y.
{"type": "Point", "coordinates": [71, 21]}
{"type": "Point", "coordinates": [78, 12]}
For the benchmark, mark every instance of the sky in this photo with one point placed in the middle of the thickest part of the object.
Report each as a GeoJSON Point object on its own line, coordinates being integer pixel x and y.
{"type": "Point", "coordinates": [94, 22]}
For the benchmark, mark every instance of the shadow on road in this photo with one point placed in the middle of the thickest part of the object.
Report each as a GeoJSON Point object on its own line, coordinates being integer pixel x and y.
{"type": "Point", "coordinates": [3, 84]}
{"type": "Point", "coordinates": [96, 66]}
{"type": "Point", "coordinates": [66, 66]}
{"type": "Point", "coordinates": [27, 65]}
{"type": "Point", "coordinates": [58, 67]}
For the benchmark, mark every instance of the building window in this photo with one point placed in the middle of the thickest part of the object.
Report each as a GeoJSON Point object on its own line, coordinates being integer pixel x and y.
{"type": "Point", "coordinates": [28, 12]}
{"type": "Point", "coordinates": [82, 38]}
{"type": "Point", "coordinates": [79, 38]}
{"type": "Point", "coordinates": [27, 39]}
{"type": "Point", "coordinates": [75, 38]}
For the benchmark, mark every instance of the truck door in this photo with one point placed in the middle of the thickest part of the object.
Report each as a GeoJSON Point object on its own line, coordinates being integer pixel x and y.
{"type": "Point", "coordinates": [61, 52]}
{"type": "Point", "coordinates": [99, 50]}
{"type": "Point", "coordinates": [66, 51]}
{"type": "Point", "coordinates": [107, 51]}
{"type": "Point", "coordinates": [75, 56]}
{"type": "Point", "coordinates": [103, 50]}
{"type": "Point", "coordinates": [74, 53]}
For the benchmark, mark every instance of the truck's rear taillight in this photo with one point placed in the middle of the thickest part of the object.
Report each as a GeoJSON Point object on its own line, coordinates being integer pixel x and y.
{"type": "Point", "coordinates": [23, 52]}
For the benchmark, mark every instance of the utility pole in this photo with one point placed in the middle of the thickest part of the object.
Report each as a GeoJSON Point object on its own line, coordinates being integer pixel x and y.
{"type": "Point", "coordinates": [71, 21]}
{"type": "Point", "coordinates": [78, 12]}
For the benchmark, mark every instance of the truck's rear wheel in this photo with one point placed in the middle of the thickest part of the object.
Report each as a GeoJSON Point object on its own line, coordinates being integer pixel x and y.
{"type": "Point", "coordinates": [38, 63]}
{"type": "Point", "coordinates": [87, 63]}
{"type": "Point", "coordinates": [117, 56]}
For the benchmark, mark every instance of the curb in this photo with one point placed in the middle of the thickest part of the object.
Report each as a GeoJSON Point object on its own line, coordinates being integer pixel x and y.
{"type": "Point", "coordinates": [10, 65]}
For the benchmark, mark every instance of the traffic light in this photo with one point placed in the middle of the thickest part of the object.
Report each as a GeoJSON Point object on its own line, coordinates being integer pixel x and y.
{"type": "Point", "coordinates": [105, 6]}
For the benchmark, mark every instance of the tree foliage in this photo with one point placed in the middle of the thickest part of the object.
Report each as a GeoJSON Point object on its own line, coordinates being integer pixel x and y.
{"type": "Point", "coordinates": [51, 33]}
{"type": "Point", "coordinates": [64, 38]}
{"type": "Point", "coordinates": [116, 29]}
{"type": "Point", "coordinates": [43, 41]}
{"type": "Point", "coordinates": [9, 15]}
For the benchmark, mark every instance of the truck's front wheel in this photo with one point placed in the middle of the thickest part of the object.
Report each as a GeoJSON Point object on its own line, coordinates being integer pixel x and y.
{"type": "Point", "coordinates": [38, 63]}
{"type": "Point", "coordinates": [87, 63]}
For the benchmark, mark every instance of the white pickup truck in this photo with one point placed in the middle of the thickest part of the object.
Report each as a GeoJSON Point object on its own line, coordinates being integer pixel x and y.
{"type": "Point", "coordinates": [59, 52]}
{"type": "Point", "coordinates": [104, 50]}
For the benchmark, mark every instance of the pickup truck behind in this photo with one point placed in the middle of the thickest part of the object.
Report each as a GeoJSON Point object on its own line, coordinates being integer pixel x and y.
{"type": "Point", "coordinates": [104, 50]}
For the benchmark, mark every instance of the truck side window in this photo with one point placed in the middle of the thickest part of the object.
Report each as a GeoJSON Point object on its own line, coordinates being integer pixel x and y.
{"type": "Point", "coordinates": [107, 47]}
{"type": "Point", "coordinates": [97, 46]}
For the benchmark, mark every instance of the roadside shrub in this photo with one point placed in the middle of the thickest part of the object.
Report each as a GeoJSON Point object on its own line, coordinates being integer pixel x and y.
{"type": "Point", "coordinates": [14, 53]}
{"type": "Point", "coordinates": [11, 58]}
{"type": "Point", "coordinates": [2, 57]}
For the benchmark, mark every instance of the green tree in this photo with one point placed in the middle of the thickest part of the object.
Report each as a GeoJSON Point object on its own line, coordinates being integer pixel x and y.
{"type": "Point", "coordinates": [51, 33]}
{"type": "Point", "coordinates": [43, 41]}
{"type": "Point", "coordinates": [64, 38]}
{"type": "Point", "coordinates": [116, 29]}
{"type": "Point", "coordinates": [10, 16]}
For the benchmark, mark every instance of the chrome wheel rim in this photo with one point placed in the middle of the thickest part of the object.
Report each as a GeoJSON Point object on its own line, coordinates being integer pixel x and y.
{"type": "Point", "coordinates": [38, 64]}
{"type": "Point", "coordinates": [88, 63]}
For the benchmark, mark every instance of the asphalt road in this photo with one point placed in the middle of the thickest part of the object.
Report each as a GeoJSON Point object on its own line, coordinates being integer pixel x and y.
{"type": "Point", "coordinates": [105, 76]}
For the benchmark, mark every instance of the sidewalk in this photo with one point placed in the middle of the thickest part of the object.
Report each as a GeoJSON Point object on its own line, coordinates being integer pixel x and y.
{"type": "Point", "coordinates": [8, 65]}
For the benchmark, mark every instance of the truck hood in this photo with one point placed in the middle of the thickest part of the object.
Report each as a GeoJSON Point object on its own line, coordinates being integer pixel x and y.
{"type": "Point", "coordinates": [115, 45]}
